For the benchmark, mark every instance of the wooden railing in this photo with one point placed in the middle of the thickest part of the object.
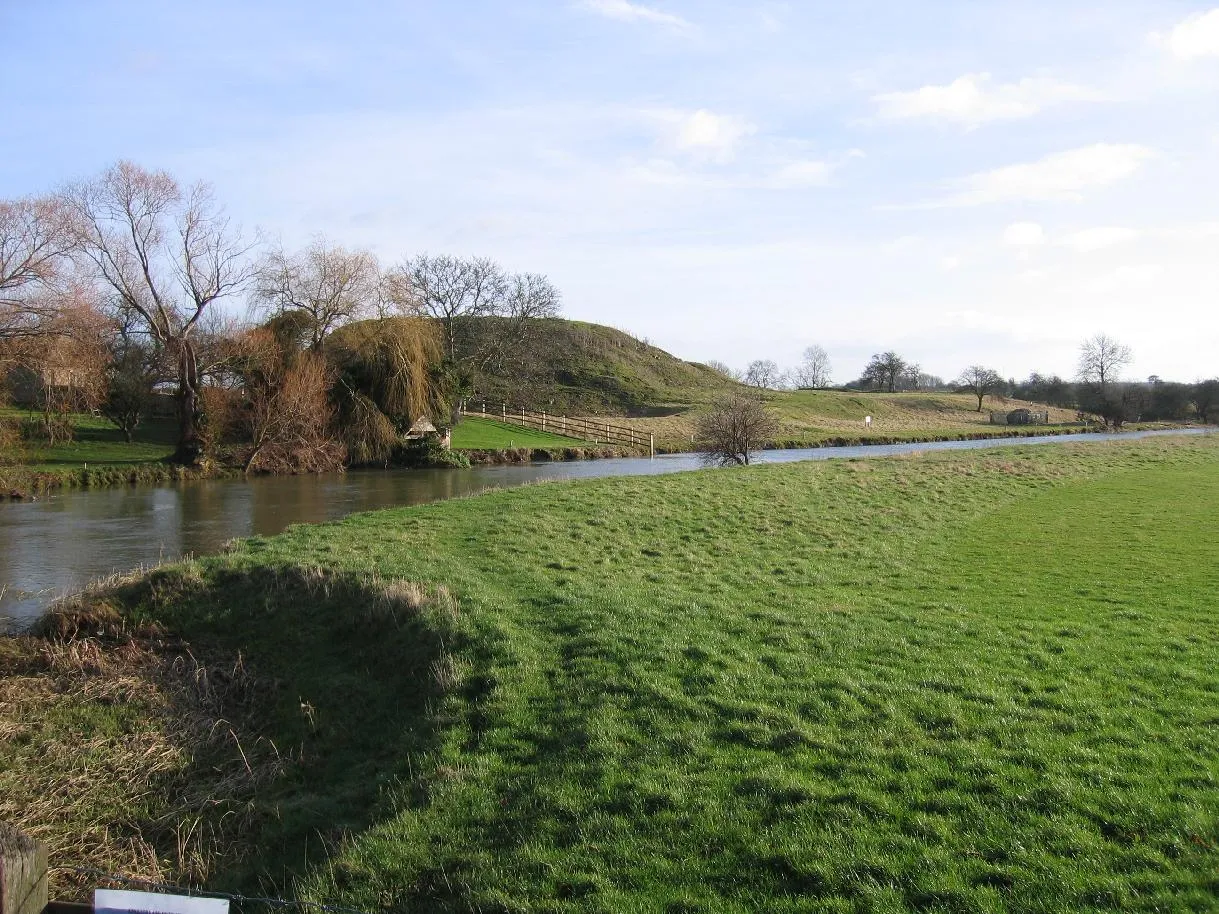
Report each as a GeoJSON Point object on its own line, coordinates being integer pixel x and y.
{"type": "Point", "coordinates": [586, 428]}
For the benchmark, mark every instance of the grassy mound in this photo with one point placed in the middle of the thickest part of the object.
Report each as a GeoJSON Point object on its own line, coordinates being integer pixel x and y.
{"type": "Point", "coordinates": [958, 682]}
{"type": "Point", "coordinates": [577, 368]}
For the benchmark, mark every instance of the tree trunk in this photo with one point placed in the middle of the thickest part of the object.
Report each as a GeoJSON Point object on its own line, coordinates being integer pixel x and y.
{"type": "Point", "coordinates": [189, 446]}
{"type": "Point", "coordinates": [981, 394]}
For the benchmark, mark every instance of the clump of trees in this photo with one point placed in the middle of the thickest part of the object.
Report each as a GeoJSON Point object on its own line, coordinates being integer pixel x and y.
{"type": "Point", "coordinates": [113, 291]}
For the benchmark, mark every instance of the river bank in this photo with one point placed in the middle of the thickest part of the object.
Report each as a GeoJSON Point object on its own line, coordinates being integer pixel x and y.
{"type": "Point", "coordinates": [19, 482]}
{"type": "Point", "coordinates": [813, 677]}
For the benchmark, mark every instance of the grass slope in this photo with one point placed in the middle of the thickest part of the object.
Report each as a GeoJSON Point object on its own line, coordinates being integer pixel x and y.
{"type": "Point", "coordinates": [953, 682]}
{"type": "Point", "coordinates": [579, 368]}
{"type": "Point", "coordinates": [487, 434]}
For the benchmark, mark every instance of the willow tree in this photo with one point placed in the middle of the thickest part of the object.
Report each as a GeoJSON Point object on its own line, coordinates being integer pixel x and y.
{"type": "Point", "coordinates": [389, 374]}
{"type": "Point", "coordinates": [167, 255]}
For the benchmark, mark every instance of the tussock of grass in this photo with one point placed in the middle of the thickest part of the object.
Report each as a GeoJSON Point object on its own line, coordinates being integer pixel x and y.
{"type": "Point", "coordinates": [133, 751]}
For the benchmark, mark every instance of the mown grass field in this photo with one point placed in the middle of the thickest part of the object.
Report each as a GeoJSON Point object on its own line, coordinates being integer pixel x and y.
{"type": "Point", "coordinates": [98, 442]}
{"type": "Point", "coordinates": [951, 682]}
{"type": "Point", "coordinates": [487, 434]}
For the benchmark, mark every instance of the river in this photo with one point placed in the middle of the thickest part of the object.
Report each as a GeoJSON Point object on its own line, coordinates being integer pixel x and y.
{"type": "Point", "coordinates": [57, 543]}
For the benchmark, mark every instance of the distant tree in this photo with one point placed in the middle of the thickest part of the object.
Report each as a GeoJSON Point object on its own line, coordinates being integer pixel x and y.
{"type": "Point", "coordinates": [130, 380]}
{"type": "Point", "coordinates": [814, 370]}
{"type": "Point", "coordinates": [733, 429]}
{"type": "Point", "coordinates": [1051, 390]}
{"type": "Point", "coordinates": [723, 369]}
{"type": "Point", "coordinates": [166, 256]}
{"type": "Point", "coordinates": [979, 381]}
{"type": "Point", "coordinates": [1167, 401]}
{"type": "Point", "coordinates": [1101, 360]}
{"type": "Point", "coordinates": [885, 371]}
{"type": "Point", "coordinates": [762, 374]}
{"type": "Point", "coordinates": [325, 284]}
{"type": "Point", "coordinates": [1205, 397]}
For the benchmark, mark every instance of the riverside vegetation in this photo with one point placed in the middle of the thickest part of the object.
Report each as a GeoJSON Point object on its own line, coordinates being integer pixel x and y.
{"type": "Point", "coordinates": [947, 682]}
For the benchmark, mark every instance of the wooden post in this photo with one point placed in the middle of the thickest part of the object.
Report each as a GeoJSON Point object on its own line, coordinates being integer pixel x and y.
{"type": "Point", "coordinates": [23, 873]}
{"type": "Point", "coordinates": [505, 408]}
{"type": "Point", "coordinates": [543, 420]}
{"type": "Point", "coordinates": [651, 445]}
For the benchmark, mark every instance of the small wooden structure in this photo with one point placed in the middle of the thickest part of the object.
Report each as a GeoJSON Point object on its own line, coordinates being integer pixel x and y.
{"type": "Point", "coordinates": [421, 429]}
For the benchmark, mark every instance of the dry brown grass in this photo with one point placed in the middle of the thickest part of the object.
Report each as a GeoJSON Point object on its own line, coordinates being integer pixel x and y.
{"type": "Point", "coordinates": [125, 752]}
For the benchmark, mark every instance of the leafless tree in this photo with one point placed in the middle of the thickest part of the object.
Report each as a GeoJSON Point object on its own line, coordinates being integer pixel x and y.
{"type": "Point", "coordinates": [762, 373]}
{"type": "Point", "coordinates": [452, 290]}
{"type": "Point", "coordinates": [1101, 360]}
{"type": "Point", "coordinates": [34, 243]}
{"type": "Point", "coordinates": [327, 284]}
{"type": "Point", "coordinates": [815, 370]}
{"type": "Point", "coordinates": [733, 429]}
{"type": "Point", "coordinates": [886, 369]}
{"type": "Point", "coordinates": [722, 368]}
{"type": "Point", "coordinates": [167, 256]}
{"type": "Point", "coordinates": [1205, 397]}
{"type": "Point", "coordinates": [979, 381]}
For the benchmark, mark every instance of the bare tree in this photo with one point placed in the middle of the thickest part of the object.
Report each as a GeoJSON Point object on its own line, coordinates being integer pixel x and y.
{"type": "Point", "coordinates": [34, 244]}
{"type": "Point", "coordinates": [815, 370]}
{"type": "Point", "coordinates": [167, 256]}
{"type": "Point", "coordinates": [327, 284]}
{"type": "Point", "coordinates": [724, 369]}
{"type": "Point", "coordinates": [452, 290]}
{"type": "Point", "coordinates": [979, 381]}
{"type": "Point", "coordinates": [1205, 398]}
{"type": "Point", "coordinates": [886, 369]}
{"type": "Point", "coordinates": [1101, 360]}
{"type": "Point", "coordinates": [733, 429]}
{"type": "Point", "coordinates": [762, 373]}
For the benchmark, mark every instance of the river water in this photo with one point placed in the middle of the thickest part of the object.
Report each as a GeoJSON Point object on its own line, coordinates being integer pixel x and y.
{"type": "Point", "coordinates": [57, 543]}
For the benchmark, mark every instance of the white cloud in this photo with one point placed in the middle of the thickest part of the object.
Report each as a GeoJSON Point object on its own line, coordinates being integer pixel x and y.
{"type": "Point", "coordinates": [1059, 176]}
{"type": "Point", "coordinates": [973, 100]}
{"type": "Point", "coordinates": [707, 134]}
{"type": "Point", "coordinates": [1024, 234]}
{"type": "Point", "coordinates": [625, 11]}
{"type": "Point", "coordinates": [948, 264]}
{"type": "Point", "coordinates": [1197, 36]}
{"type": "Point", "coordinates": [1097, 239]}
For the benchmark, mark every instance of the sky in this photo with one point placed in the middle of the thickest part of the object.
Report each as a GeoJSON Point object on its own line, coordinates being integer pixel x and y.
{"type": "Point", "coordinates": [962, 182]}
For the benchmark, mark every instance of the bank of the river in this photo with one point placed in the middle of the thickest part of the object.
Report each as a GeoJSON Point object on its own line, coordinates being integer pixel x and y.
{"type": "Point", "coordinates": [978, 681]}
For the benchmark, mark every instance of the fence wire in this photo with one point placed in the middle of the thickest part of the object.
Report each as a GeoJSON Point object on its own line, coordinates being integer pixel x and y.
{"type": "Point", "coordinates": [236, 898]}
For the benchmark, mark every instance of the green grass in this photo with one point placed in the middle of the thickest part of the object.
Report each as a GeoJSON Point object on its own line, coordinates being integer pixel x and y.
{"type": "Point", "coordinates": [99, 443]}
{"type": "Point", "coordinates": [487, 434]}
{"type": "Point", "coordinates": [952, 682]}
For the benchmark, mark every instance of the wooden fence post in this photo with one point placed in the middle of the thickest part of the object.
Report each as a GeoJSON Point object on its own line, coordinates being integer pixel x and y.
{"type": "Point", "coordinates": [23, 873]}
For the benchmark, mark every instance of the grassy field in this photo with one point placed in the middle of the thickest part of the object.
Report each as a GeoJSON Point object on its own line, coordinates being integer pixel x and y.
{"type": "Point", "coordinates": [812, 417]}
{"type": "Point", "coordinates": [98, 442]}
{"type": "Point", "coordinates": [951, 682]}
{"type": "Point", "coordinates": [487, 434]}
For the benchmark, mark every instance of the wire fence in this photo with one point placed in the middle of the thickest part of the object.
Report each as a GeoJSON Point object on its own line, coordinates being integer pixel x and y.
{"type": "Point", "coordinates": [235, 898]}
{"type": "Point", "coordinates": [585, 428]}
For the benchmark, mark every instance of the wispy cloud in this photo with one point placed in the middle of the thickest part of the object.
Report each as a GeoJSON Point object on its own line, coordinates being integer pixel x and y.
{"type": "Point", "coordinates": [1060, 176]}
{"type": "Point", "coordinates": [1024, 235]}
{"type": "Point", "coordinates": [1197, 36]}
{"type": "Point", "coordinates": [625, 11]}
{"type": "Point", "coordinates": [973, 99]}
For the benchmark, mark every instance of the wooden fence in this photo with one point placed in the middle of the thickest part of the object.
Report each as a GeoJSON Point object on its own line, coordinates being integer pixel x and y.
{"type": "Point", "coordinates": [595, 430]}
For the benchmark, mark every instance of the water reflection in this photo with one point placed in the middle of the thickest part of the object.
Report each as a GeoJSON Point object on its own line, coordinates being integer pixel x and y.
{"type": "Point", "coordinates": [59, 543]}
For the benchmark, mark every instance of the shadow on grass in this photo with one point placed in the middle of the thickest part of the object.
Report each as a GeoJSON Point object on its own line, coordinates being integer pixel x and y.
{"type": "Point", "coordinates": [353, 671]}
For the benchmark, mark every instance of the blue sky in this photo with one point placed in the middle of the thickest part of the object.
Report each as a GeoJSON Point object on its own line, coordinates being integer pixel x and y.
{"type": "Point", "coordinates": [960, 181]}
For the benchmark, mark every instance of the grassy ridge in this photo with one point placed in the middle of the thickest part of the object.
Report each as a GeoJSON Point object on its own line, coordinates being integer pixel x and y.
{"type": "Point", "coordinates": [950, 682]}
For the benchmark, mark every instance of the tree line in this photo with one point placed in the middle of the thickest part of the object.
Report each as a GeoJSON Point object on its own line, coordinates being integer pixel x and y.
{"type": "Point", "coordinates": [1098, 388]}
{"type": "Point", "coordinates": [109, 294]}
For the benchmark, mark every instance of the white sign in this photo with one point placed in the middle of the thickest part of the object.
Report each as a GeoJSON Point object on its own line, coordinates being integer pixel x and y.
{"type": "Point", "coordinates": [112, 901]}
